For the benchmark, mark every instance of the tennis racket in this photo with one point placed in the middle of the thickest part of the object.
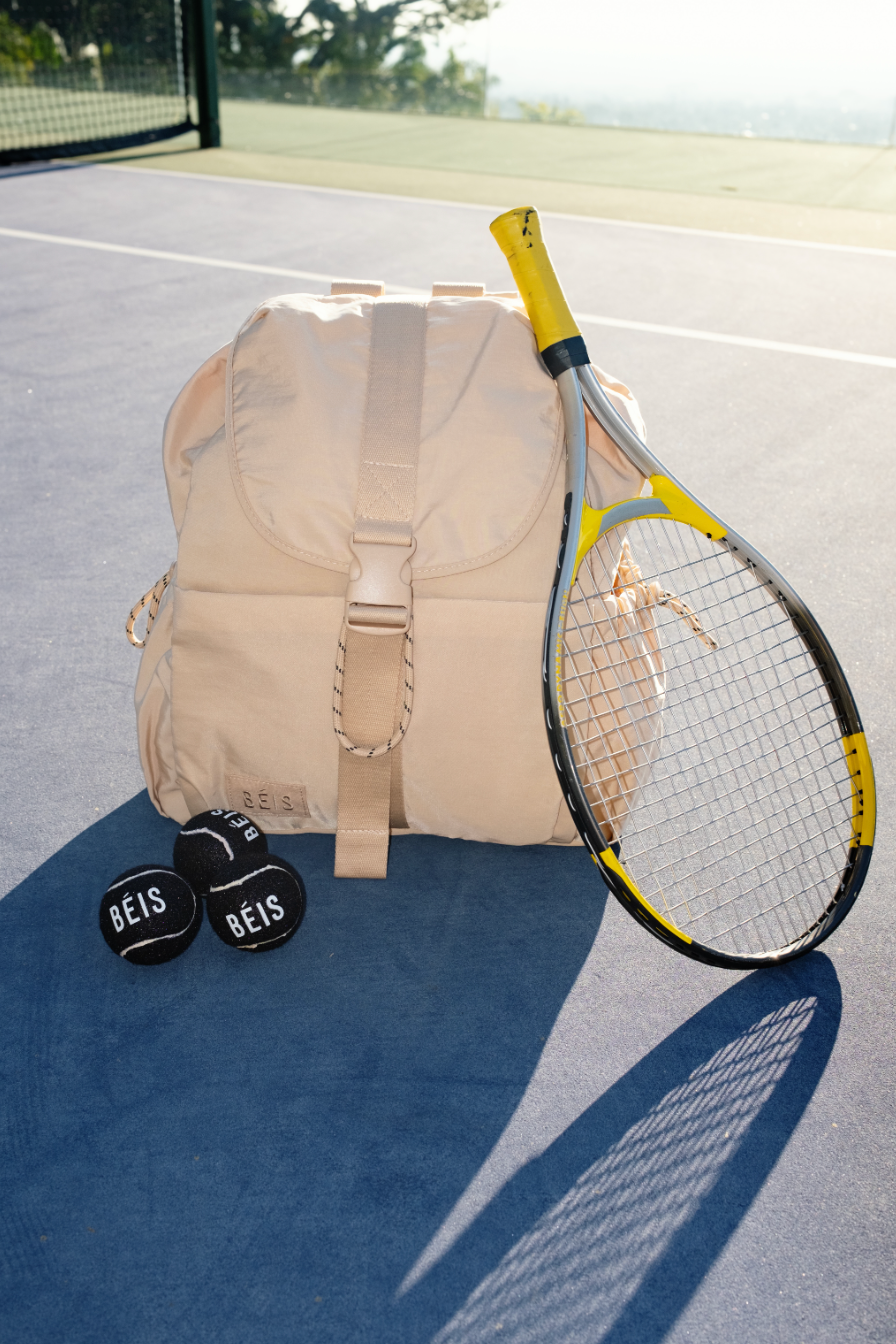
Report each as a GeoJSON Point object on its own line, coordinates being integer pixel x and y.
{"type": "Point", "coordinates": [703, 732]}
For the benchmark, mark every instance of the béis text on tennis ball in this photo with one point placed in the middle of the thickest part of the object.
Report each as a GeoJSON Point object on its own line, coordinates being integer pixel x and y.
{"type": "Point", "coordinates": [211, 842]}
{"type": "Point", "coordinates": [150, 915]}
{"type": "Point", "coordinates": [257, 903]}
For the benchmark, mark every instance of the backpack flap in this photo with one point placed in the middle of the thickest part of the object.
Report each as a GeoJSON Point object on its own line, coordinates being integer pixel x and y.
{"type": "Point", "coordinates": [266, 466]}
{"type": "Point", "coordinates": [489, 444]}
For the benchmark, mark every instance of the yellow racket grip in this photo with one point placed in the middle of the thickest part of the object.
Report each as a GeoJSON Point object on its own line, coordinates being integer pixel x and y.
{"type": "Point", "coordinates": [518, 234]}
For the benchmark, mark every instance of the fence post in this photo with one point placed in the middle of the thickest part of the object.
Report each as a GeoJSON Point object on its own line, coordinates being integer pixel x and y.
{"type": "Point", "coordinates": [205, 61]}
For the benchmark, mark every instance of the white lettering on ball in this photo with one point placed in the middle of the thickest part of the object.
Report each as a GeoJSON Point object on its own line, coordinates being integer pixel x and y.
{"type": "Point", "coordinates": [260, 908]}
{"type": "Point", "coordinates": [155, 896]}
{"type": "Point", "coordinates": [246, 917]}
{"type": "Point", "coordinates": [142, 904]}
{"type": "Point", "coordinates": [251, 833]}
{"type": "Point", "coordinates": [115, 916]}
{"type": "Point", "coordinates": [124, 906]}
{"type": "Point", "coordinates": [236, 927]}
{"type": "Point", "coordinates": [275, 909]}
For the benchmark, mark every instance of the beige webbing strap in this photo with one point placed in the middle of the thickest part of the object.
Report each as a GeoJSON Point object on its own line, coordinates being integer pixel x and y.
{"type": "Point", "coordinates": [387, 483]}
{"type": "Point", "coordinates": [397, 818]}
{"type": "Point", "coordinates": [374, 681]}
{"type": "Point", "coordinates": [373, 666]}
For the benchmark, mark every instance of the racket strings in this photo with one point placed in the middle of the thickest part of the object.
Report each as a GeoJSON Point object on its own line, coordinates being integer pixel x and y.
{"type": "Point", "coordinates": [770, 832]}
{"type": "Point", "coordinates": [759, 871]}
{"type": "Point", "coordinates": [726, 778]}
{"type": "Point", "coordinates": [615, 666]}
{"type": "Point", "coordinates": [752, 800]}
{"type": "Point", "coordinates": [720, 736]}
{"type": "Point", "coordinates": [722, 770]}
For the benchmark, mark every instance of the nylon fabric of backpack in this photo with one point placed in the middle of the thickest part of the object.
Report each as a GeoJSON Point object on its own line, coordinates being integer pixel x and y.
{"type": "Point", "coordinates": [262, 458]}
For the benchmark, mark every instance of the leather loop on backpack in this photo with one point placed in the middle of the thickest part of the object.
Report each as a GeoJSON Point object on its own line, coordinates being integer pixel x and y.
{"type": "Point", "coordinates": [374, 289]}
{"type": "Point", "coordinates": [445, 289]}
{"type": "Point", "coordinates": [153, 597]}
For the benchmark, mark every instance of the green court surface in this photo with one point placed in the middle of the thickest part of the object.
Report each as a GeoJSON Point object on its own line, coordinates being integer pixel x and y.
{"type": "Point", "coordinates": [780, 188]}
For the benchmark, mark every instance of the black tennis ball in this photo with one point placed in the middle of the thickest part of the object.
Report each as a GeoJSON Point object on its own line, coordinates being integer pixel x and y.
{"type": "Point", "coordinates": [257, 904]}
{"type": "Point", "coordinates": [210, 842]}
{"type": "Point", "coordinates": [150, 915]}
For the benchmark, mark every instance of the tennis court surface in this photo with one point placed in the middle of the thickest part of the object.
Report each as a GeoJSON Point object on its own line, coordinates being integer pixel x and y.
{"type": "Point", "coordinates": [476, 1101]}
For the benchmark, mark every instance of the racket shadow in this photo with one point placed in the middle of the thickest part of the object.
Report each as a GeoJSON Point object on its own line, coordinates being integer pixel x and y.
{"type": "Point", "coordinates": [608, 1235]}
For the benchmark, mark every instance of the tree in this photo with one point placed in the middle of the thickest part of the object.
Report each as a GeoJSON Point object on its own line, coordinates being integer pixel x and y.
{"type": "Point", "coordinates": [362, 38]}
{"type": "Point", "coordinates": [558, 116]}
{"type": "Point", "coordinates": [254, 35]}
{"type": "Point", "coordinates": [352, 53]}
{"type": "Point", "coordinates": [16, 52]}
{"type": "Point", "coordinates": [139, 31]}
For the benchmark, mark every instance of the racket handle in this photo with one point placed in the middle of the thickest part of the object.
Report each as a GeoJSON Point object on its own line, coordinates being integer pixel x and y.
{"type": "Point", "coordinates": [518, 234]}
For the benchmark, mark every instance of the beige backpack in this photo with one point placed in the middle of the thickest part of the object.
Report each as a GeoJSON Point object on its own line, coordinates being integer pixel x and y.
{"type": "Point", "coordinates": [368, 495]}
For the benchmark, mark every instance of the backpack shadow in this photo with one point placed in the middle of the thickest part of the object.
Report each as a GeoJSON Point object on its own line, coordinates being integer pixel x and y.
{"type": "Point", "coordinates": [259, 1145]}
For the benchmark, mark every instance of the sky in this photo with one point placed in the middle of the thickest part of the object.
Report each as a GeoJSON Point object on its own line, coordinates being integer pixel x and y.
{"type": "Point", "coordinates": [772, 49]}
{"type": "Point", "coordinates": [579, 51]}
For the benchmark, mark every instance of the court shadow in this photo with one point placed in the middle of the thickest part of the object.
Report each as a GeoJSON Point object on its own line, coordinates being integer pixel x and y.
{"type": "Point", "coordinates": [31, 166]}
{"type": "Point", "coordinates": [608, 1235]}
{"type": "Point", "coordinates": [233, 1147]}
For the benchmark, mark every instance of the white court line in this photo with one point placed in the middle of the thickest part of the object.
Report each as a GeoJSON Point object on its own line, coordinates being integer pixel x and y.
{"type": "Point", "coordinates": [653, 328]}
{"type": "Point", "coordinates": [187, 257]}
{"type": "Point", "coordinates": [752, 342]}
{"type": "Point", "coordinates": [603, 220]}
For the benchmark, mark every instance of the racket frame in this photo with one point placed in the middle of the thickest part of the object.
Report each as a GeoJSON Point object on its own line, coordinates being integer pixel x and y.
{"type": "Point", "coordinates": [559, 341]}
{"type": "Point", "coordinates": [579, 387]}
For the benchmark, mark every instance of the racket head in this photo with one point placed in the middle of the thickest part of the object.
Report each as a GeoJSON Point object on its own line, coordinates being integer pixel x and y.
{"type": "Point", "coordinates": [704, 733]}
{"type": "Point", "coordinates": [727, 796]}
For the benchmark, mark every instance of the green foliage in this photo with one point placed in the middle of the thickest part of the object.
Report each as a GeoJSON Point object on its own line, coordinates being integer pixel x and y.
{"type": "Point", "coordinates": [132, 30]}
{"type": "Point", "coordinates": [559, 116]}
{"type": "Point", "coordinates": [15, 47]}
{"type": "Point", "coordinates": [349, 53]}
{"type": "Point", "coordinates": [48, 47]}
{"type": "Point", "coordinates": [346, 53]}
{"type": "Point", "coordinates": [254, 35]}
{"type": "Point", "coordinates": [457, 90]}
{"type": "Point", "coordinates": [354, 36]}
{"type": "Point", "coordinates": [21, 51]}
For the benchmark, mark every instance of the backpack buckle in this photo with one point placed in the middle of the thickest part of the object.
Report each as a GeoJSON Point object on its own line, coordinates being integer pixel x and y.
{"type": "Point", "coordinates": [379, 596]}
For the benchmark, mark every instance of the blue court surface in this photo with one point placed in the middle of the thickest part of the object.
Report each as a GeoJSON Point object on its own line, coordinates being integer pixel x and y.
{"type": "Point", "coordinates": [475, 1101]}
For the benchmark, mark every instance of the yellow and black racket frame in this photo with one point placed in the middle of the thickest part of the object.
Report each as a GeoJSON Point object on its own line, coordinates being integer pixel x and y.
{"type": "Point", "coordinates": [560, 343]}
